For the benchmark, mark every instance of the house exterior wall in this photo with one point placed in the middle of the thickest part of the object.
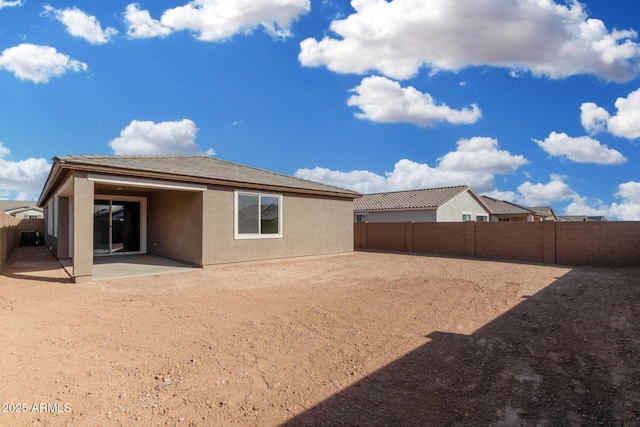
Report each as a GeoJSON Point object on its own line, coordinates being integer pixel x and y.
{"type": "Point", "coordinates": [175, 225]}
{"type": "Point", "coordinates": [197, 226]}
{"type": "Point", "coordinates": [62, 241]}
{"type": "Point", "coordinates": [464, 203]}
{"type": "Point", "coordinates": [83, 191]}
{"type": "Point", "coordinates": [311, 225]}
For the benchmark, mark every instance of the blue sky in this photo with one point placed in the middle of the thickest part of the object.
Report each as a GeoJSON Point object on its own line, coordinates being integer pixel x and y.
{"type": "Point", "coordinates": [531, 101]}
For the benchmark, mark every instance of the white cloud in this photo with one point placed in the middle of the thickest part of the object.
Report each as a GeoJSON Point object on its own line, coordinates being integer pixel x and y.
{"type": "Point", "coordinates": [23, 179]}
{"type": "Point", "coordinates": [149, 138]}
{"type": "Point", "coordinates": [474, 163]}
{"type": "Point", "coordinates": [8, 3]}
{"type": "Point", "coordinates": [38, 63]}
{"type": "Point", "coordinates": [581, 149]}
{"type": "Point", "coordinates": [481, 154]}
{"type": "Point", "coordinates": [593, 118]}
{"type": "Point", "coordinates": [399, 37]}
{"type": "Point", "coordinates": [628, 209]}
{"type": "Point", "coordinates": [508, 196]}
{"type": "Point", "coordinates": [385, 101]}
{"type": "Point", "coordinates": [545, 194]}
{"type": "Point", "coordinates": [79, 24]}
{"type": "Point", "coordinates": [217, 20]}
{"type": "Point", "coordinates": [140, 25]}
{"type": "Point", "coordinates": [625, 123]}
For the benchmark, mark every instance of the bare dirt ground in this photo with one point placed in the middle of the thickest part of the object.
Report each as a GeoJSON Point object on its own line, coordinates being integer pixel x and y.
{"type": "Point", "coordinates": [357, 339]}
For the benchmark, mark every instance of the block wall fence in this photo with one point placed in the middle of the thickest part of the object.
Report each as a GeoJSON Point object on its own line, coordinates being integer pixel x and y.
{"type": "Point", "coordinates": [11, 229]}
{"type": "Point", "coordinates": [597, 244]}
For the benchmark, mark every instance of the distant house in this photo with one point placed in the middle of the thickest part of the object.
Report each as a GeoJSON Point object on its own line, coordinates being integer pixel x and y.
{"type": "Point", "coordinates": [502, 210]}
{"type": "Point", "coordinates": [195, 209]}
{"type": "Point", "coordinates": [445, 204]}
{"type": "Point", "coordinates": [21, 209]}
{"type": "Point", "coordinates": [545, 213]}
{"type": "Point", "coordinates": [574, 218]}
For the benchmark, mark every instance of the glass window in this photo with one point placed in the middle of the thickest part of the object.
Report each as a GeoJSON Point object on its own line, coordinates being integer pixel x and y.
{"type": "Point", "coordinates": [466, 217]}
{"type": "Point", "coordinates": [269, 215]}
{"type": "Point", "coordinates": [248, 214]}
{"type": "Point", "coordinates": [258, 215]}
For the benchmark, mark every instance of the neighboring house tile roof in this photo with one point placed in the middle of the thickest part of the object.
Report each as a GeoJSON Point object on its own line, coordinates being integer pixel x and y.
{"type": "Point", "coordinates": [501, 207]}
{"type": "Point", "coordinates": [10, 205]}
{"type": "Point", "coordinates": [431, 198]}
{"type": "Point", "coordinates": [546, 211]}
{"type": "Point", "coordinates": [186, 168]}
{"type": "Point", "coordinates": [574, 218]}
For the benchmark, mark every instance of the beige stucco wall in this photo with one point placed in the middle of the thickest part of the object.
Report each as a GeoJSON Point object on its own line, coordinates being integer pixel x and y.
{"type": "Point", "coordinates": [174, 225]}
{"type": "Point", "coordinates": [310, 226]}
{"type": "Point", "coordinates": [464, 203]}
{"type": "Point", "coordinates": [83, 190]}
{"type": "Point", "coordinates": [198, 226]}
{"type": "Point", "coordinates": [62, 242]}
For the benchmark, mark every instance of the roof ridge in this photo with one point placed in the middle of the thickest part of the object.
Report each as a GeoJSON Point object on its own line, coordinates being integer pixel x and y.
{"type": "Point", "coordinates": [129, 156]}
{"type": "Point", "coordinates": [419, 189]}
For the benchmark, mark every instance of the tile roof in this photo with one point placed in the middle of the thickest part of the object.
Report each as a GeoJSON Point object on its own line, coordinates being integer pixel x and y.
{"type": "Point", "coordinates": [501, 207]}
{"type": "Point", "coordinates": [8, 205]}
{"type": "Point", "coordinates": [189, 168]}
{"type": "Point", "coordinates": [431, 198]}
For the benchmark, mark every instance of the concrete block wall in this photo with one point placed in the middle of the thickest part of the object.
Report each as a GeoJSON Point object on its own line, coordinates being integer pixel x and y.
{"type": "Point", "coordinates": [599, 244]}
{"type": "Point", "coordinates": [446, 238]}
{"type": "Point", "coordinates": [607, 244]}
{"type": "Point", "coordinates": [11, 229]}
{"type": "Point", "coordinates": [391, 236]}
{"type": "Point", "coordinates": [518, 241]}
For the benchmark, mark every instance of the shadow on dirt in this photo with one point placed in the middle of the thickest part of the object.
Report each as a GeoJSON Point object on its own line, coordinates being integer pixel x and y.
{"type": "Point", "coordinates": [35, 263]}
{"type": "Point", "coordinates": [567, 356]}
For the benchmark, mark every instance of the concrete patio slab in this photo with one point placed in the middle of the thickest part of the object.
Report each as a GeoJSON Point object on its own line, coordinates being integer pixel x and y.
{"type": "Point", "coordinates": [122, 266]}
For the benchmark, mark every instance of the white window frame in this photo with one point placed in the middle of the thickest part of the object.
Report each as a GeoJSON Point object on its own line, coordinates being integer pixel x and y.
{"type": "Point", "coordinates": [485, 218]}
{"type": "Point", "coordinates": [466, 215]}
{"type": "Point", "coordinates": [259, 235]}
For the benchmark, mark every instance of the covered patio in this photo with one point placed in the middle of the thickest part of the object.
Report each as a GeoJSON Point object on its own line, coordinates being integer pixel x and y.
{"type": "Point", "coordinates": [123, 266]}
{"type": "Point", "coordinates": [39, 263]}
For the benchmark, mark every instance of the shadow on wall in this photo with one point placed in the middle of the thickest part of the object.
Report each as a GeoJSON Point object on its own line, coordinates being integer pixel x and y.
{"type": "Point", "coordinates": [569, 355]}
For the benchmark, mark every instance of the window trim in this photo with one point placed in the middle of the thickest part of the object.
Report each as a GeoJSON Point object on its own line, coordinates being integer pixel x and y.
{"type": "Point", "coordinates": [259, 235]}
{"type": "Point", "coordinates": [466, 219]}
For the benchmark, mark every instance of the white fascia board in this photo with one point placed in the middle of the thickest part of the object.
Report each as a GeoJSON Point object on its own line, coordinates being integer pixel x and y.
{"type": "Point", "coordinates": [146, 183]}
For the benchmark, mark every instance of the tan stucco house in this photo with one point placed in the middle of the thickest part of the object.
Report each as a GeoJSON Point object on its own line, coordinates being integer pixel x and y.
{"type": "Point", "coordinates": [21, 209]}
{"type": "Point", "coordinates": [444, 204]}
{"type": "Point", "coordinates": [194, 209]}
{"type": "Point", "coordinates": [502, 210]}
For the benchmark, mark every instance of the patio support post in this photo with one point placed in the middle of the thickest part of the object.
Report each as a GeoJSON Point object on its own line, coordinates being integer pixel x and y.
{"type": "Point", "coordinates": [82, 227]}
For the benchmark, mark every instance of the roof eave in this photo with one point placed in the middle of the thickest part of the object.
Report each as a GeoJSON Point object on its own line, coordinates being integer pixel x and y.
{"type": "Point", "coordinates": [69, 164]}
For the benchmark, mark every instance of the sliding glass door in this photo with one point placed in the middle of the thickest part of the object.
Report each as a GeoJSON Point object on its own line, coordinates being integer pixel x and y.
{"type": "Point", "coordinates": [116, 226]}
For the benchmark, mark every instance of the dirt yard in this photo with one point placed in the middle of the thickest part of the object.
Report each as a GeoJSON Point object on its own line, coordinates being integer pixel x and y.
{"type": "Point", "coordinates": [361, 339]}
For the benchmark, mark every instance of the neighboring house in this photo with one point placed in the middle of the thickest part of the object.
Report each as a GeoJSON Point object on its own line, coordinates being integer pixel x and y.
{"type": "Point", "coordinates": [446, 204]}
{"type": "Point", "coordinates": [195, 209]}
{"type": "Point", "coordinates": [502, 210]}
{"type": "Point", "coordinates": [581, 218]}
{"type": "Point", "coordinates": [545, 213]}
{"type": "Point", "coordinates": [21, 209]}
